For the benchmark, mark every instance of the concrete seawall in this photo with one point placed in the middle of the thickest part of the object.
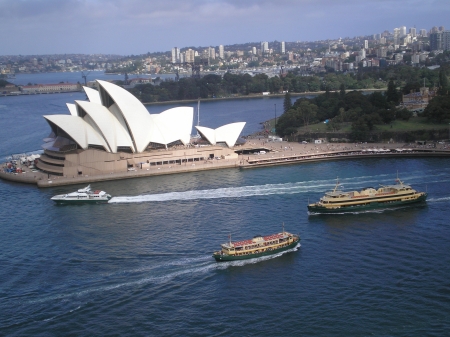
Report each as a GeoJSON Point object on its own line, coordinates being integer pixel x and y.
{"type": "Point", "coordinates": [280, 154]}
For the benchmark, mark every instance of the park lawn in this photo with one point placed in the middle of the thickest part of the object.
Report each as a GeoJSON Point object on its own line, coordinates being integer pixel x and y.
{"type": "Point", "coordinates": [414, 123]}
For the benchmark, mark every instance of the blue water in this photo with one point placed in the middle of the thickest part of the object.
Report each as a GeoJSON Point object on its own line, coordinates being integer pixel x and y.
{"type": "Point", "coordinates": [142, 265]}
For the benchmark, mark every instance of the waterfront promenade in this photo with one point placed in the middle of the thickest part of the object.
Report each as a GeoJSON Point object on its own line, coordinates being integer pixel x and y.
{"type": "Point", "coordinates": [251, 156]}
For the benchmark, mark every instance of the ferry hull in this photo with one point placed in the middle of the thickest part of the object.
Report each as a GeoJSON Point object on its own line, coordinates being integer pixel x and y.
{"type": "Point", "coordinates": [225, 258]}
{"type": "Point", "coordinates": [369, 206]}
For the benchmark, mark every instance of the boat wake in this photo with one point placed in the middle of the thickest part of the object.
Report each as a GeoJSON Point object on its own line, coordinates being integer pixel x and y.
{"type": "Point", "coordinates": [438, 199]}
{"type": "Point", "coordinates": [312, 186]}
{"type": "Point", "coordinates": [161, 273]}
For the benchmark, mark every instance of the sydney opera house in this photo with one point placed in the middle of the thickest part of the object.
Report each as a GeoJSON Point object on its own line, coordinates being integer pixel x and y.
{"type": "Point", "coordinates": [113, 132]}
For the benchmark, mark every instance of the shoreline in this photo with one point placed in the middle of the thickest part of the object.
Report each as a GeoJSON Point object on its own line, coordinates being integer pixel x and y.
{"type": "Point", "coordinates": [254, 96]}
{"type": "Point", "coordinates": [262, 153]}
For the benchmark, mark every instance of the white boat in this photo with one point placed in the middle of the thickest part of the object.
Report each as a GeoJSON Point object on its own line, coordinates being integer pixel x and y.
{"type": "Point", "coordinates": [83, 195]}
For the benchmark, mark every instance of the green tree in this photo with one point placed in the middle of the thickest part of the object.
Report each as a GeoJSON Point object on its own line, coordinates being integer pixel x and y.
{"type": "Point", "coordinates": [342, 91]}
{"type": "Point", "coordinates": [287, 103]}
{"type": "Point", "coordinates": [438, 110]}
{"type": "Point", "coordinates": [392, 95]}
{"type": "Point", "coordinates": [443, 82]}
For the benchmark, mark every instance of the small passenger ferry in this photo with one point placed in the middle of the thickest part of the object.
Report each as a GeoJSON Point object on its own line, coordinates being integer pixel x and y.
{"type": "Point", "coordinates": [256, 247]}
{"type": "Point", "coordinates": [83, 195]}
{"type": "Point", "coordinates": [368, 198]}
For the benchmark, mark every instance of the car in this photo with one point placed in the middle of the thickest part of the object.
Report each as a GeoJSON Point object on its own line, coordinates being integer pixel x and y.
{"type": "Point", "coordinates": [304, 142]}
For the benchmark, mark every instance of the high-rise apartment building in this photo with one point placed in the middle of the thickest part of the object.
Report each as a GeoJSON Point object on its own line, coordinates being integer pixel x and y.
{"type": "Point", "coordinates": [366, 44]}
{"type": "Point", "coordinates": [254, 50]}
{"type": "Point", "coordinates": [423, 32]}
{"type": "Point", "coordinates": [283, 47]}
{"type": "Point", "coordinates": [396, 35]}
{"type": "Point", "coordinates": [381, 52]}
{"type": "Point", "coordinates": [175, 55]}
{"type": "Point", "coordinates": [412, 31]}
{"type": "Point", "coordinates": [190, 55]}
{"type": "Point", "coordinates": [264, 47]}
{"type": "Point", "coordinates": [440, 40]}
{"type": "Point", "coordinates": [221, 50]}
{"type": "Point", "coordinates": [212, 53]}
{"type": "Point", "coordinates": [402, 31]}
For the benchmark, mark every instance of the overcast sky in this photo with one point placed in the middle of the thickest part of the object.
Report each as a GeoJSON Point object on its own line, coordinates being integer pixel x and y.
{"type": "Point", "coordinates": [139, 26]}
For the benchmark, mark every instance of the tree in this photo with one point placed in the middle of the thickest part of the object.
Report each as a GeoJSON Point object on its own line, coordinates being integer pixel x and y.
{"type": "Point", "coordinates": [307, 112]}
{"type": "Point", "coordinates": [443, 82]}
{"type": "Point", "coordinates": [438, 110]}
{"type": "Point", "coordinates": [392, 95]}
{"type": "Point", "coordinates": [287, 104]}
{"type": "Point", "coordinates": [342, 91]}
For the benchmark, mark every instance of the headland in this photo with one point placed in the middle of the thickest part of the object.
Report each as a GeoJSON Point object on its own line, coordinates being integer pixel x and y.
{"type": "Point", "coordinates": [257, 152]}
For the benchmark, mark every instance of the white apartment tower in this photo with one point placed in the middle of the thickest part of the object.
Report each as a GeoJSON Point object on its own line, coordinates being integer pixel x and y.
{"type": "Point", "coordinates": [221, 50]}
{"type": "Point", "coordinates": [212, 53]}
{"type": "Point", "coordinates": [283, 47]}
{"type": "Point", "coordinates": [366, 44]}
{"type": "Point", "coordinates": [190, 55]}
{"type": "Point", "coordinates": [264, 47]}
{"type": "Point", "coordinates": [412, 32]}
{"type": "Point", "coordinates": [254, 50]}
{"type": "Point", "coordinates": [403, 31]}
{"type": "Point", "coordinates": [396, 35]}
{"type": "Point", "coordinates": [175, 55]}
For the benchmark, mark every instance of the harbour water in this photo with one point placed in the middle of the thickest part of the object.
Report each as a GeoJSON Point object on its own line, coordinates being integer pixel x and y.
{"type": "Point", "coordinates": [142, 266]}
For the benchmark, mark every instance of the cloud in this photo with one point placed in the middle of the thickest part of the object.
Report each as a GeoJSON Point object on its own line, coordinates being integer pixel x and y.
{"type": "Point", "coordinates": [138, 26]}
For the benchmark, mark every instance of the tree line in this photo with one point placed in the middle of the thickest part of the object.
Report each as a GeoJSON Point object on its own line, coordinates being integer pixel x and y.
{"type": "Point", "coordinates": [363, 111]}
{"type": "Point", "coordinates": [295, 81]}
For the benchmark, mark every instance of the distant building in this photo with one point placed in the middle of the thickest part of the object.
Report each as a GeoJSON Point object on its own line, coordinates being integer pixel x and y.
{"type": "Point", "coordinates": [264, 47]}
{"type": "Point", "coordinates": [423, 33]}
{"type": "Point", "coordinates": [412, 31]}
{"type": "Point", "coordinates": [221, 50]}
{"type": "Point", "coordinates": [418, 100]}
{"type": "Point", "coordinates": [190, 55]}
{"type": "Point", "coordinates": [50, 88]}
{"type": "Point", "coordinates": [283, 47]}
{"type": "Point", "coordinates": [381, 52]}
{"type": "Point", "coordinates": [212, 53]}
{"type": "Point", "coordinates": [175, 55]}
{"type": "Point", "coordinates": [366, 44]}
{"type": "Point", "coordinates": [402, 31]}
{"type": "Point", "coordinates": [440, 40]}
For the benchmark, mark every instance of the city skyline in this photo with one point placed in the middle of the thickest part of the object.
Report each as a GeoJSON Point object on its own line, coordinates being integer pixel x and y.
{"type": "Point", "coordinates": [138, 27]}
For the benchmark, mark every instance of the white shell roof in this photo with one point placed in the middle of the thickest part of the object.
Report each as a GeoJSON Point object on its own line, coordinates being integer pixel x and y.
{"type": "Point", "coordinates": [228, 133]}
{"type": "Point", "coordinates": [72, 108]}
{"type": "Point", "coordinates": [133, 111]}
{"type": "Point", "coordinates": [109, 126]}
{"type": "Point", "coordinates": [173, 124]}
{"type": "Point", "coordinates": [123, 121]}
{"type": "Point", "coordinates": [93, 95]}
{"type": "Point", "coordinates": [80, 131]}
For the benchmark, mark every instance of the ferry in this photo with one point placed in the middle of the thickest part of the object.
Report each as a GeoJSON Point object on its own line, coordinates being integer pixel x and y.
{"type": "Point", "coordinates": [256, 247]}
{"type": "Point", "coordinates": [83, 195]}
{"type": "Point", "coordinates": [368, 198]}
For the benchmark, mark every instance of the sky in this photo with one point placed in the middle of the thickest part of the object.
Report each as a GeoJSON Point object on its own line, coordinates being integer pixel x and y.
{"type": "Point", "coordinates": [125, 27]}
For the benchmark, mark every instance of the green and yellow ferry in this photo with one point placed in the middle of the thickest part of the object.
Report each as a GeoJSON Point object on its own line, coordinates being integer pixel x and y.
{"type": "Point", "coordinates": [257, 247]}
{"type": "Point", "coordinates": [368, 198]}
